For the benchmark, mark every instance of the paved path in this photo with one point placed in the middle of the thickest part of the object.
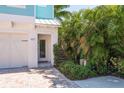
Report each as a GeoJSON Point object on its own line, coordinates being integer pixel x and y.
{"type": "Point", "coordinates": [43, 77]}
{"type": "Point", "coordinates": [47, 76]}
{"type": "Point", "coordinates": [101, 82]}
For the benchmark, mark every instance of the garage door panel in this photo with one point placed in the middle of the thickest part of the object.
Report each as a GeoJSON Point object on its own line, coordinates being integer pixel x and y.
{"type": "Point", "coordinates": [13, 50]}
{"type": "Point", "coordinates": [4, 50]}
{"type": "Point", "coordinates": [19, 53]}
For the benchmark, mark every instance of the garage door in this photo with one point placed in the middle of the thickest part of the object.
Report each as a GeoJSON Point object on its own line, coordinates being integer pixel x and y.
{"type": "Point", "coordinates": [13, 50]}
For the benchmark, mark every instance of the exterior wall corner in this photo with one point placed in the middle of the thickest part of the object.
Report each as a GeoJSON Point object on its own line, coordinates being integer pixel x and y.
{"type": "Point", "coordinates": [32, 50]}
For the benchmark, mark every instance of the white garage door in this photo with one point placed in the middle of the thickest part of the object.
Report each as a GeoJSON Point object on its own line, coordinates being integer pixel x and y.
{"type": "Point", "coordinates": [13, 50]}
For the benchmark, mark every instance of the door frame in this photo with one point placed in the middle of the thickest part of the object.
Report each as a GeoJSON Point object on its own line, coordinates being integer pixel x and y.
{"type": "Point", "coordinates": [46, 50]}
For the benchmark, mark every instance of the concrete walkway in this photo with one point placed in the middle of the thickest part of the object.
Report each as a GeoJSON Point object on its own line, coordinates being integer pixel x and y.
{"type": "Point", "coordinates": [45, 76]}
{"type": "Point", "coordinates": [101, 82]}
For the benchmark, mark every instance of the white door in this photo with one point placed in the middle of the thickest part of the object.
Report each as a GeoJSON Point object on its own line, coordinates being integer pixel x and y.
{"type": "Point", "coordinates": [13, 50]}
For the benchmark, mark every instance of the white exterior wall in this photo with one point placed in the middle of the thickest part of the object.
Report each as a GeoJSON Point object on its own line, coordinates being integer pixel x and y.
{"type": "Point", "coordinates": [17, 18]}
{"type": "Point", "coordinates": [25, 25]}
{"type": "Point", "coordinates": [47, 30]}
{"type": "Point", "coordinates": [53, 38]}
{"type": "Point", "coordinates": [33, 56]}
{"type": "Point", "coordinates": [22, 24]}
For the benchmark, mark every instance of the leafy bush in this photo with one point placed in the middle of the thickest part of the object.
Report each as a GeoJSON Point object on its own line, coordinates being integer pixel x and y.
{"type": "Point", "coordinates": [114, 64]}
{"type": "Point", "coordinates": [103, 31]}
{"type": "Point", "coordinates": [56, 52]}
{"type": "Point", "coordinates": [121, 68]}
{"type": "Point", "coordinates": [98, 67]}
{"type": "Point", "coordinates": [59, 55]}
{"type": "Point", "coordinates": [75, 71]}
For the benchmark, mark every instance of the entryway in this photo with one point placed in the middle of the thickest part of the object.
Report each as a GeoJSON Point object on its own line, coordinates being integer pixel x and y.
{"type": "Point", "coordinates": [44, 48]}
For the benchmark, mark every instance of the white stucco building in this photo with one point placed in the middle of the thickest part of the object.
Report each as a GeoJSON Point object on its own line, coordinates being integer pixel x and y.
{"type": "Point", "coordinates": [27, 35]}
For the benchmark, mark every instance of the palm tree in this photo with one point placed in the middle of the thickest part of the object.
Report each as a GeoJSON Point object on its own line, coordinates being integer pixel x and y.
{"type": "Point", "coordinates": [60, 11]}
{"type": "Point", "coordinates": [70, 33]}
{"type": "Point", "coordinates": [105, 35]}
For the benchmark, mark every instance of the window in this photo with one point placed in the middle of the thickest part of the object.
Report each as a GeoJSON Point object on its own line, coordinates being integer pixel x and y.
{"type": "Point", "coordinates": [42, 49]}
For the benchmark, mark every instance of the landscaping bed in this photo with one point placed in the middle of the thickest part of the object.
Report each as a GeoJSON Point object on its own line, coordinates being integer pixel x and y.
{"type": "Point", "coordinates": [75, 72]}
{"type": "Point", "coordinates": [95, 35]}
{"type": "Point", "coordinates": [79, 72]}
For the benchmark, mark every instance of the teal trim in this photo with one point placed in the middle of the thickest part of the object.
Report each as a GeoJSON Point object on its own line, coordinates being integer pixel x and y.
{"type": "Point", "coordinates": [44, 12]}
{"type": "Point", "coordinates": [27, 11]}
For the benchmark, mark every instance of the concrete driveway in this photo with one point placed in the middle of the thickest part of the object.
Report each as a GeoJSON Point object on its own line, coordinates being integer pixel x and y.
{"type": "Point", "coordinates": [48, 77]}
{"type": "Point", "coordinates": [43, 77]}
{"type": "Point", "coordinates": [101, 82]}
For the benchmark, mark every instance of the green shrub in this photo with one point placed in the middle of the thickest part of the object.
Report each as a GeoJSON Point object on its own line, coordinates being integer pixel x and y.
{"type": "Point", "coordinates": [59, 55]}
{"type": "Point", "coordinates": [74, 71]}
{"type": "Point", "coordinates": [121, 68]}
{"type": "Point", "coordinates": [98, 67]}
{"type": "Point", "coordinates": [114, 64]}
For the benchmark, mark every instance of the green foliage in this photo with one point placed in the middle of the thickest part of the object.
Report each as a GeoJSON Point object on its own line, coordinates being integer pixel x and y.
{"type": "Point", "coordinates": [59, 55]}
{"type": "Point", "coordinates": [61, 12]}
{"type": "Point", "coordinates": [114, 64]}
{"type": "Point", "coordinates": [74, 71]}
{"type": "Point", "coordinates": [105, 37]}
{"type": "Point", "coordinates": [98, 64]}
{"type": "Point", "coordinates": [121, 68]}
{"type": "Point", "coordinates": [56, 55]}
{"type": "Point", "coordinates": [103, 30]}
{"type": "Point", "coordinates": [70, 34]}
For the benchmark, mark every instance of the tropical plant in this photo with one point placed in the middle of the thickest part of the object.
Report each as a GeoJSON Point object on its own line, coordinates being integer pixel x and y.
{"type": "Point", "coordinates": [60, 11]}
{"type": "Point", "coordinates": [105, 35]}
{"type": "Point", "coordinates": [70, 33]}
{"type": "Point", "coordinates": [98, 35]}
{"type": "Point", "coordinates": [75, 71]}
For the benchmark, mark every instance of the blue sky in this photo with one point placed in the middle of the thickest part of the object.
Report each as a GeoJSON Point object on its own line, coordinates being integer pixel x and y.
{"type": "Point", "coordinates": [78, 7]}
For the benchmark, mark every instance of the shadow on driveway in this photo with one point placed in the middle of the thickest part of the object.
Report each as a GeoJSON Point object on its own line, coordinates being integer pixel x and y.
{"type": "Point", "coordinates": [42, 77]}
{"type": "Point", "coordinates": [49, 77]}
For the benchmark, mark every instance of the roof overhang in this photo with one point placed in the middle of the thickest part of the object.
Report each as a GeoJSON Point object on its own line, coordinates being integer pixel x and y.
{"type": "Point", "coordinates": [47, 22]}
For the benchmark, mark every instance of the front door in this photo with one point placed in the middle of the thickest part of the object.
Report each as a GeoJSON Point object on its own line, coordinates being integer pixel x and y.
{"type": "Point", "coordinates": [42, 50]}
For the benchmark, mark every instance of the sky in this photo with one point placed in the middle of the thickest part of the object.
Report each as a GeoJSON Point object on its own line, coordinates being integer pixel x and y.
{"type": "Point", "coordinates": [78, 7]}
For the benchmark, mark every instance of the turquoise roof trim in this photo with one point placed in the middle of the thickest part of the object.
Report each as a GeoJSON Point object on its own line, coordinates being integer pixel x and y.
{"type": "Point", "coordinates": [44, 12]}
{"type": "Point", "coordinates": [27, 11]}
